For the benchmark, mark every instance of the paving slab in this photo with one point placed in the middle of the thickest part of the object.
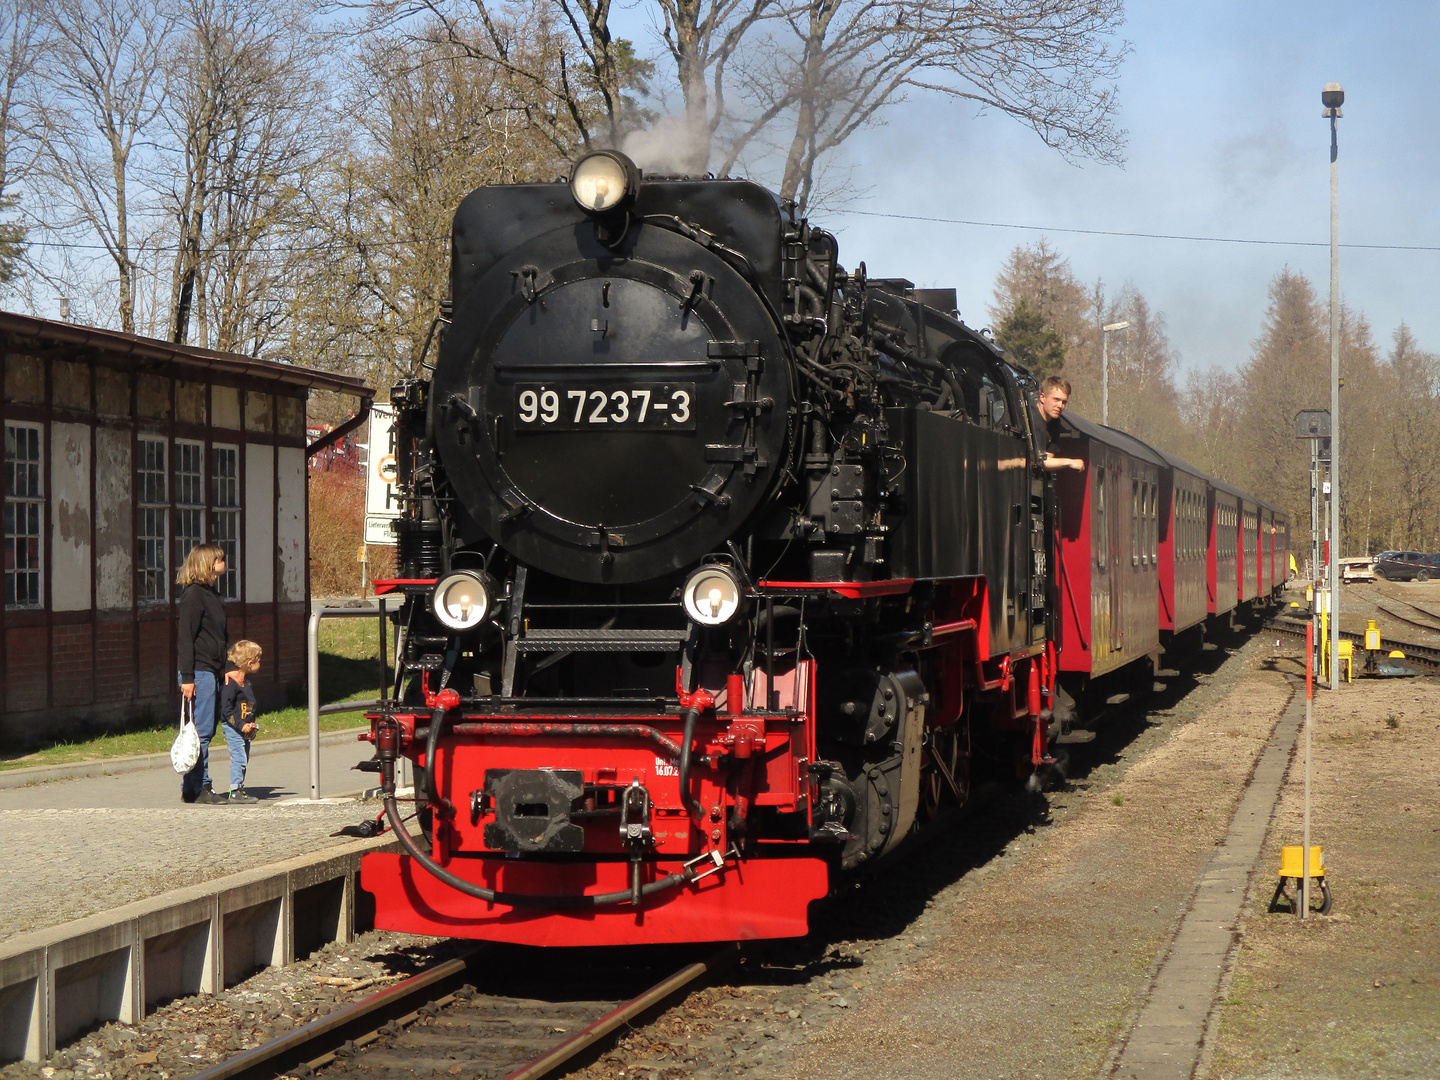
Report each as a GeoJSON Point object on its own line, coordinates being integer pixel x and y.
{"type": "Point", "coordinates": [78, 847]}
{"type": "Point", "coordinates": [1165, 1043]}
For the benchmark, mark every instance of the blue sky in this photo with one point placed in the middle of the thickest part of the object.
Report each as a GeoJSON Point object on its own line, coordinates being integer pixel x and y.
{"type": "Point", "coordinates": [1222, 105]}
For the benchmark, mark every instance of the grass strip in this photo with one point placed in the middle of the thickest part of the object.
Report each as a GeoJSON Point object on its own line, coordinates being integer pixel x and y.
{"type": "Point", "coordinates": [349, 671]}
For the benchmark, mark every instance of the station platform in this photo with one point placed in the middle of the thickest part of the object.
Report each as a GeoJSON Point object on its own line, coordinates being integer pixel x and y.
{"type": "Point", "coordinates": [80, 845]}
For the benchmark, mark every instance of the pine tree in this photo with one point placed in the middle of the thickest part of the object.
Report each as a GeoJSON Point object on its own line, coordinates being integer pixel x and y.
{"type": "Point", "coordinates": [1025, 335]}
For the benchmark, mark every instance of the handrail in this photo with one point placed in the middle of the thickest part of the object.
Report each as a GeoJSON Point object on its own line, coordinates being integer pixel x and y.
{"type": "Point", "coordinates": [312, 688]}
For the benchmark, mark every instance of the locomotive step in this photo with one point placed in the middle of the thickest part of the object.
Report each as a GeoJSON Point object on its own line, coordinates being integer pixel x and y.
{"type": "Point", "coordinates": [572, 640]}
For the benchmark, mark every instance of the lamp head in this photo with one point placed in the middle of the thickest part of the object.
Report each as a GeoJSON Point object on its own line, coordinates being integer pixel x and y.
{"type": "Point", "coordinates": [604, 182]}
{"type": "Point", "coordinates": [1333, 96]}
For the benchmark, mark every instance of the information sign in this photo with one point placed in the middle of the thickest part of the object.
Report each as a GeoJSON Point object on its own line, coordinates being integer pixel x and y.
{"type": "Point", "coordinates": [381, 503]}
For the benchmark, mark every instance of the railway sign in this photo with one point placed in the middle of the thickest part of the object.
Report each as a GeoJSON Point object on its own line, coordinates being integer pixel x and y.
{"type": "Point", "coordinates": [381, 504]}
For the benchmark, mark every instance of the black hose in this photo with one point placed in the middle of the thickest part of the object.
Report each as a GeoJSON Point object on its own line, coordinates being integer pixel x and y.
{"type": "Point", "coordinates": [692, 715]}
{"type": "Point", "coordinates": [432, 740]}
{"type": "Point", "coordinates": [490, 896]}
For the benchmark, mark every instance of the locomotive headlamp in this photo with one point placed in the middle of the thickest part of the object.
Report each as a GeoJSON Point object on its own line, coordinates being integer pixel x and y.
{"type": "Point", "coordinates": [604, 181]}
{"type": "Point", "coordinates": [461, 599]}
{"type": "Point", "coordinates": [711, 596]}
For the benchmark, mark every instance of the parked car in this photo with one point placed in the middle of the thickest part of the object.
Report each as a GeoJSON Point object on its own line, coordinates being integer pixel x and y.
{"type": "Point", "coordinates": [1357, 568]}
{"type": "Point", "coordinates": [1406, 566]}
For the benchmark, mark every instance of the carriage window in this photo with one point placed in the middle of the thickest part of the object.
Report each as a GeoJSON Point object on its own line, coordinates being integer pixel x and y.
{"type": "Point", "coordinates": [1100, 531]}
{"type": "Point", "coordinates": [1134, 522]}
{"type": "Point", "coordinates": [1154, 524]}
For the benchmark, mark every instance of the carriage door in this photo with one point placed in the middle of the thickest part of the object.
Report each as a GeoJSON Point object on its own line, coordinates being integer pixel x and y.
{"type": "Point", "coordinates": [1119, 525]}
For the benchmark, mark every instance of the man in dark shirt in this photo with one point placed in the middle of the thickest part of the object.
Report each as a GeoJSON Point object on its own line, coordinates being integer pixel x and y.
{"type": "Point", "coordinates": [1054, 393]}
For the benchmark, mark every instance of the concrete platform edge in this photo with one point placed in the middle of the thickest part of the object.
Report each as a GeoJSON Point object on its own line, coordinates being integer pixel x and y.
{"type": "Point", "coordinates": [39, 774]}
{"type": "Point", "coordinates": [58, 983]}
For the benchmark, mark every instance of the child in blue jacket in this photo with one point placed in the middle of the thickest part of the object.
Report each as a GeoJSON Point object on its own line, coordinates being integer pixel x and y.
{"type": "Point", "coordinates": [238, 714]}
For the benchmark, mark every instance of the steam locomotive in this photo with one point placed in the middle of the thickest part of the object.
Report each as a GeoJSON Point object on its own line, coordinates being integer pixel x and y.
{"type": "Point", "coordinates": [725, 570]}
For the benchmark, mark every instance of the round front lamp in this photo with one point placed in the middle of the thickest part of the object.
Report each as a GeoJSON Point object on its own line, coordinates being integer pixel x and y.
{"type": "Point", "coordinates": [711, 596]}
{"type": "Point", "coordinates": [604, 182]}
{"type": "Point", "coordinates": [461, 600]}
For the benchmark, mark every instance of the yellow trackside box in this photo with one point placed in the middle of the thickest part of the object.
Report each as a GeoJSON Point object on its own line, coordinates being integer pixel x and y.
{"type": "Point", "coordinates": [1292, 862]}
{"type": "Point", "coordinates": [1372, 635]}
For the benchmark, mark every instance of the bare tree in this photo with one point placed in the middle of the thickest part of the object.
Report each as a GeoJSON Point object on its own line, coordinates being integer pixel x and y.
{"type": "Point", "coordinates": [703, 36]}
{"type": "Point", "coordinates": [20, 42]}
{"type": "Point", "coordinates": [1047, 63]}
{"type": "Point", "coordinates": [244, 120]}
{"type": "Point", "coordinates": [425, 123]}
{"type": "Point", "coordinates": [1210, 410]}
{"type": "Point", "coordinates": [560, 63]}
{"type": "Point", "coordinates": [1415, 434]}
{"type": "Point", "coordinates": [103, 82]}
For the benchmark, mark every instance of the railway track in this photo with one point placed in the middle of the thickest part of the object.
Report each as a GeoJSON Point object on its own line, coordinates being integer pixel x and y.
{"type": "Point", "coordinates": [1424, 657]}
{"type": "Point", "coordinates": [486, 1014]}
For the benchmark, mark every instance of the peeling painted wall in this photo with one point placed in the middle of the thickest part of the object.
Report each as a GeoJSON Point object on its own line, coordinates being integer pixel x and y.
{"type": "Point", "coordinates": [112, 392]}
{"type": "Point", "coordinates": [258, 521]}
{"type": "Point", "coordinates": [24, 380]}
{"type": "Point", "coordinates": [290, 529]}
{"type": "Point", "coordinates": [114, 527]}
{"type": "Point", "coordinates": [189, 402]}
{"type": "Point", "coordinates": [257, 411]}
{"type": "Point", "coordinates": [70, 385]}
{"type": "Point", "coordinates": [152, 396]}
{"type": "Point", "coordinates": [225, 407]}
{"type": "Point", "coordinates": [70, 517]}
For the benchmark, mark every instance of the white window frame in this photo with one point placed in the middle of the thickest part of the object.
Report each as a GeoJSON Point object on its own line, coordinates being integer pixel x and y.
{"type": "Point", "coordinates": [225, 516]}
{"type": "Point", "coordinates": [189, 493]}
{"type": "Point", "coordinates": [152, 520]}
{"type": "Point", "coordinates": [24, 493]}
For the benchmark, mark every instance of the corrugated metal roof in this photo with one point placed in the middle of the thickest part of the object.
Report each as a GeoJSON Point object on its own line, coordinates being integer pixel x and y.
{"type": "Point", "coordinates": [114, 343]}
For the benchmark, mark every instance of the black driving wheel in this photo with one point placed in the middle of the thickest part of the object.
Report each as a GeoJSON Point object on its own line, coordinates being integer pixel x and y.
{"type": "Point", "coordinates": [1422, 575]}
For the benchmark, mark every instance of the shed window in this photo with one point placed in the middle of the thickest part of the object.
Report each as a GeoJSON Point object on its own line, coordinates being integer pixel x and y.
{"type": "Point", "coordinates": [153, 533]}
{"type": "Point", "coordinates": [189, 497]}
{"type": "Point", "coordinates": [225, 508]}
{"type": "Point", "coordinates": [24, 513]}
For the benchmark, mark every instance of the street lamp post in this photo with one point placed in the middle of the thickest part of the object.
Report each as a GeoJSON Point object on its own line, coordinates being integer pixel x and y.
{"type": "Point", "coordinates": [1105, 366]}
{"type": "Point", "coordinates": [1332, 97]}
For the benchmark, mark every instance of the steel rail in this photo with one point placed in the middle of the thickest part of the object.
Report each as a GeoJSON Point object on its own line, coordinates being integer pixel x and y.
{"type": "Point", "coordinates": [583, 1040]}
{"type": "Point", "coordinates": [1422, 654]}
{"type": "Point", "coordinates": [314, 1045]}
{"type": "Point", "coordinates": [1431, 625]}
{"type": "Point", "coordinates": [281, 1054]}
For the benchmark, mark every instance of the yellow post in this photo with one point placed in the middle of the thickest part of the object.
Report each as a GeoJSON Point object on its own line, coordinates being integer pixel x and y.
{"type": "Point", "coordinates": [1325, 646]}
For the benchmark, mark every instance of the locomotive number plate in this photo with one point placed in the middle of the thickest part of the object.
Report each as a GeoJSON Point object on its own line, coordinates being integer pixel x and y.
{"type": "Point", "coordinates": [652, 407]}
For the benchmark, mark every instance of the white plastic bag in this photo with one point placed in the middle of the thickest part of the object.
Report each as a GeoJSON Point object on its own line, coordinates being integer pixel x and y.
{"type": "Point", "coordinates": [185, 750]}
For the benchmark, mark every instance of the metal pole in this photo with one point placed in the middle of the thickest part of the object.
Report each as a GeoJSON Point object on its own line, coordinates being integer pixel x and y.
{"type": "Point", "coordinates": [1105, 331]}
{"type": "Point", "coordinates": [1304, 891]}
{"type": "Point", "coordinates": [1334, 394]}
{"type": "Point", "coordinates": [312, 678]}
{"type": "Point", "coordinates": [1104, 378]}
{"type": "Point", "coordinates": [312, 693]}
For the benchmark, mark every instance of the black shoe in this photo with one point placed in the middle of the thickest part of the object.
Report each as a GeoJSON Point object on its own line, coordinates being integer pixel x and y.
{"type": "Point", "coordinates": [239, 795]}
{"type": "Point", "coordinates": [207, 796]}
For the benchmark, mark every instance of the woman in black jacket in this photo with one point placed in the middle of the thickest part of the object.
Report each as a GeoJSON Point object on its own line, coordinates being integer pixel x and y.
{"type": "Point", "coordinates": [204, 640]}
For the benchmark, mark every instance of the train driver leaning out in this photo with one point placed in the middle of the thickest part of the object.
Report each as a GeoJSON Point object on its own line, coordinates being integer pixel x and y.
{"type": "Point", "coordinates": [1054, 393]}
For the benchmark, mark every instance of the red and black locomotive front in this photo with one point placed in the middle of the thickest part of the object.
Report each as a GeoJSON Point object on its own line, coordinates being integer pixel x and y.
{"type": "Point", "coordinates": [658, 520]}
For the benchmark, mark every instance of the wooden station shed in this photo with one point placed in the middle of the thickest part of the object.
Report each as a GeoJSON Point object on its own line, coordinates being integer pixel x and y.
{"type": "Point", "coordinates": [120, 454]}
